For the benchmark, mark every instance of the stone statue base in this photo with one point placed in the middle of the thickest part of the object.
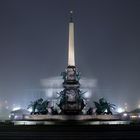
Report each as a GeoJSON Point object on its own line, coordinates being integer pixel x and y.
{"type": "Point", "coordinates": [71, 101]}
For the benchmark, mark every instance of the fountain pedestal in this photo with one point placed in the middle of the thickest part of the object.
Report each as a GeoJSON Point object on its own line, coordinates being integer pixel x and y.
{"type": "Point", "coordinates": [71, 101]}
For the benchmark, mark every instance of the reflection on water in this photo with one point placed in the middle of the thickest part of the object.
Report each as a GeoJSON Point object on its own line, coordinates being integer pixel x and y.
{"type": "Point", "coordinates": [33, 123]}
{"type": "Point", "coordinates": [70, 123]}
{"type": "Point", "coordinates": [107, 122]}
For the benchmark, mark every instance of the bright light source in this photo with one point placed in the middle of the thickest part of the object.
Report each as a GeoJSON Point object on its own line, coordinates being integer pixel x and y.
{"type": "Point", "coordinates": [15, 117]}
{"type": "Point", "coordinates": [16, 108]}
{"type": "Point", "coordinates": [120, 110]}
{"type": "Point", "coordinates": [106, 110]}
{"type": "Point", "coordinates": [139, 106]}
{"type": "Point", "coordinates": [133, 116]}
{"type": "Point", "coordinates": [30, 109]}
{"type": "Point", "coordinates": [87, 95]}
{"type": "Point", "coordinates": [125, 114]}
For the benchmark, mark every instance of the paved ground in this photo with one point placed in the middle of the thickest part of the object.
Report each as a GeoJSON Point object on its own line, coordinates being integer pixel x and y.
{"type": "Point", "coordinates": [70, 132]}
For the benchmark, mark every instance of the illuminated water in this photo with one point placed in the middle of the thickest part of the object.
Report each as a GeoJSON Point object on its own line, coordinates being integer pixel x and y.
{"type": "Point", "coordinates": [72, 122]}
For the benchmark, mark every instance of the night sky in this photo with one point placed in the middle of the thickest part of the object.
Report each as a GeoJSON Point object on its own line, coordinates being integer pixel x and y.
{"type": "Point", "coordinates": [34, 43]}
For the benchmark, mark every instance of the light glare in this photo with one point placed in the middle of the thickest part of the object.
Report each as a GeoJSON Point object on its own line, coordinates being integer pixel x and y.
{"type": "Point", "coordinates": [120, 110]}
{"type": "Point", "coordinates": [16, 108]}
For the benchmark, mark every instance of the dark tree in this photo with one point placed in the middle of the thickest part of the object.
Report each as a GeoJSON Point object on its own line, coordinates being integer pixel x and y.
{"type": "Point", "coordinates": [39, 106]}
{"type": "Point", "coordinates": [103, 107]}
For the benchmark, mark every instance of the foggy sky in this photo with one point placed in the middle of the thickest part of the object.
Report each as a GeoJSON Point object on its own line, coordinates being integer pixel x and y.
{"type": "Point", "coordinates": [34, 43]}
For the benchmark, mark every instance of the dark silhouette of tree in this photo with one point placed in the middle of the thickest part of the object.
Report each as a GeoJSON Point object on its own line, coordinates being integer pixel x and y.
{"type": "Point", "coordinates": [103, 107]}
{"type": "Point", "coordinates": [90, 111]}
{"type": "Point", "coordinates": [54, 111]}
{"type": "Point", "coordinates": [39, 106]}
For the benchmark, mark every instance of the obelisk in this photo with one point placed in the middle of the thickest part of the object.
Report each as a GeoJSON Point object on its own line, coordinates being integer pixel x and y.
{"type": "Point", "coordinates": [71, 101]}
{"type": "Point", "coordinates": [71, 55]}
